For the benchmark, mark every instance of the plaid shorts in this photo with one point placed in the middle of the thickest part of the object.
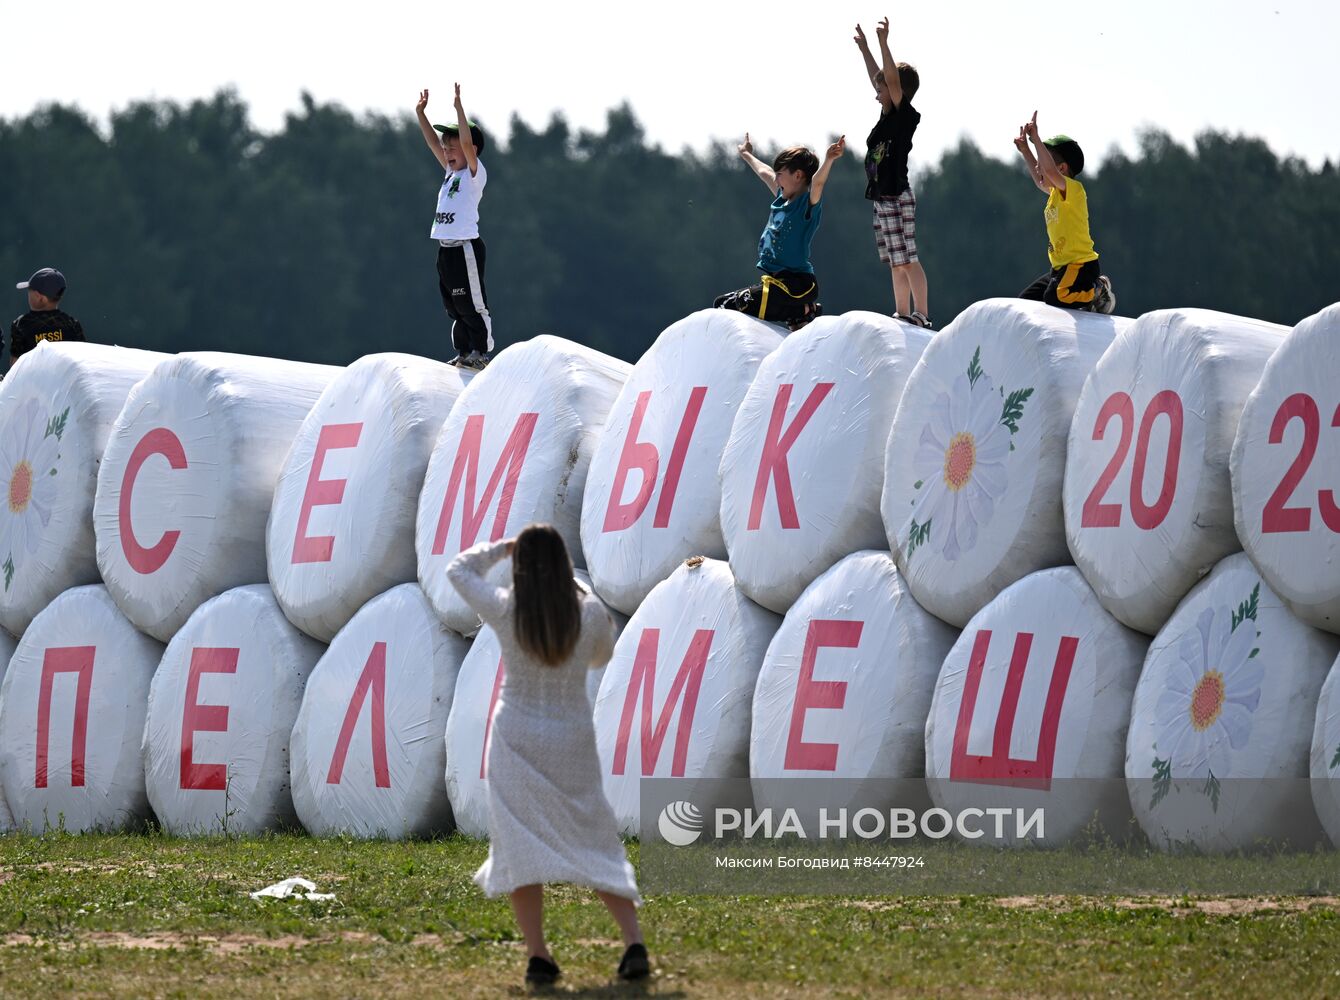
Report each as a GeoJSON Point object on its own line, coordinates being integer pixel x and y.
{"type": "Point", "coordinates": [896, 229]}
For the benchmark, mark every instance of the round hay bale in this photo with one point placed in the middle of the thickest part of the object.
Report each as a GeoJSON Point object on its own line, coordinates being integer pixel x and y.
{"type": "Point", "coordinates": [342, 527]}
{"type": "Point", "coordinates": [56, 413]}
{"type": "Point", "coordinates": [187, 479]}
{"type": "Point", "coordinates": [976, 454]}
{"type": "Point", "coordinates": [515, 450]}
{"type": "Point", "coordinates": [793, 504]}
{"type": "Point", "coordinates": [653, 496]}
{"type": "Point", "coordinates": [368, 751]}
{"type": "Point", "coordinates": [72, 708]}
{"type": "Point", "coordinates": [1217, 757]}
{"type": "Point", "coordinates": [1148, 503]}
{"type": "Point", "coordinates": [221, 710]}
{"type": "Point", "coordinates": [1286, 495]}
{"type": "Point", "coordinates": [1030, 712]}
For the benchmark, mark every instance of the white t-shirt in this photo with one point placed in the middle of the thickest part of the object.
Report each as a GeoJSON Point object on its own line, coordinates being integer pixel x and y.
{"type": "Point", "coordinates": [458, 204]}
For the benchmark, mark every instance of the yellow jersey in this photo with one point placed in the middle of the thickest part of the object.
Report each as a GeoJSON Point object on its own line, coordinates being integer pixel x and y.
{"type": "Point", "coordinates": [1068, 239]}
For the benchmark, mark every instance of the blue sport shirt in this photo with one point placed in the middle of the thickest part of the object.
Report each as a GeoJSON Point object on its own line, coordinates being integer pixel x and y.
{"type": "Point", "coordinates": [785, 243]}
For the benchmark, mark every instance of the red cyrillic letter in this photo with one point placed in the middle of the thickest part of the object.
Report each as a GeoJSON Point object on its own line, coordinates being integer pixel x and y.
{"type": "Point", "coordinates": [373, 677]}
{"type": "Point", "coordinates": [643, 456]}
{"type": "Point", "coordinates": [513, 457]}
{"type": "Point", "coordinates": [159, 441]}
{"type": "Point", "coordinates": [65, 659]}
{"type": "Point", "coordinates": [772, 465]}
{"type": "Point", "coordinates": [197, 718]}
{"type": "Point", "coordinates": [643, 682]}
{"type": "Point", "coordinates": [802, 756]}
{"type": "Point", "coordinates": [322, 493]}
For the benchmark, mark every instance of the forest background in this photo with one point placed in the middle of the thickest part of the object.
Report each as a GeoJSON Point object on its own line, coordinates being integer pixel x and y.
{"type": "Point", "coordinates": [182, 227]}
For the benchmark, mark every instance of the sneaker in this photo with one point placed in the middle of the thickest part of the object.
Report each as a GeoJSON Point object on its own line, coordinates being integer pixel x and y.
{"type": "Point", "coordinates": [920, 319]}
{"type": "Point", "coordinates": [476, 361]}
{"type": "Point", "coordinates": [541, 972]}
{"type": "Point", "coordinates": [635, 964]}
{"type": "Point", "coordinates": [1104, 299]}
{"type": "Point", "coordinates": [458, 361]}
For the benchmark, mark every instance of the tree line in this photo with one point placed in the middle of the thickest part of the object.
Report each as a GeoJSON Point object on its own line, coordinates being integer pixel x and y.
{"type": "Point", "coordinates": [183, 227]}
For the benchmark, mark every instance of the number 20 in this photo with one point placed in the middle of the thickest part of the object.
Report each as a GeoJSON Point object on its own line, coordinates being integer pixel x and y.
{"type": "Point", "coordinates": [1096, 513]}
{"type": "Point", "coordinates": [1276, 517]}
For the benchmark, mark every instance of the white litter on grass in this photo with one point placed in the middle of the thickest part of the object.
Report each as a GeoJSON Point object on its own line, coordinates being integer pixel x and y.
{"type": "Point", "coordinates": [296, 887]}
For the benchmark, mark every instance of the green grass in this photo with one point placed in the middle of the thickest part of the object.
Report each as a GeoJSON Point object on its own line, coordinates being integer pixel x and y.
{"type": "Point", "coordinates": [158, 916]}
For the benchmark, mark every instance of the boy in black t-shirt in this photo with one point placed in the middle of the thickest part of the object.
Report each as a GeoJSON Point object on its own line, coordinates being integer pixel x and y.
{"type": "Point", "coordinates": [44, 319]}
{"type": "Point", "coordinates": [887, 185]}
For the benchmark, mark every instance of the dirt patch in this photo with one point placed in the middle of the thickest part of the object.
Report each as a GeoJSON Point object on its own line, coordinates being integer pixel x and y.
{"type": "Point", "coordinates": [1219, 906]}
{"type": "Point", "coordinates": [216, 944]}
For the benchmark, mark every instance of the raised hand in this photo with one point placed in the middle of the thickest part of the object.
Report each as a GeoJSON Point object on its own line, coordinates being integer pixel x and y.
{"type": "Point", "coordinates": [746, 146]}
{"type": "Point", "coordinates": [837, 148]}
{"type": "Point", "coordinates": [860, 39]}
{"type": "Point", "coordinates": [1032, 126]}
{"type": "Point", "coordinates": [422, 105]}
{"type": "Point", "coordinates": [1021, 140]}
{"type": "Point", "coordinates": [882, 30]}
{"type": "Point", "coordinates": [458, 97]}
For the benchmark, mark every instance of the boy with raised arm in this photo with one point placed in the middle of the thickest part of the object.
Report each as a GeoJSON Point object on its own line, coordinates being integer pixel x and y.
{"type": "Point", "coordinates": [788, 292]}
{"type": "Point", "coordinates": [1074, 282]}
{"type": "Point", "coordinates": [887, 184]}
{"type": "Point", "coordinates": [460, 254]}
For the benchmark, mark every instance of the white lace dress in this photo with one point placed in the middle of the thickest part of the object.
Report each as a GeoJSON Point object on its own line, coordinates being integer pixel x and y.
{"type": "Point", "coordinates": [549, 820]}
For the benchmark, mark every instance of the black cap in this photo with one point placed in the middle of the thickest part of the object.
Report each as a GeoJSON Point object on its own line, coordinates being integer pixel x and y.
{"type": "Point", "coordinates": [476, 133]}
{"type": "Point", "coordinates": [48, 281]}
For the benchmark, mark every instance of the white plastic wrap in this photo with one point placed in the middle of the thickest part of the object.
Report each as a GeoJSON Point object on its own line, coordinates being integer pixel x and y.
{"type": "Point", "coordinates": [187, 479]}
{"type": "Point", "coordinates": [1286, 489]}
{"type": "Point", "coordinates": [56, 413]}
{"type": "Point", "coordinates": [515, 450]}
{"type": "Point", "coordinates": [1148, 504]}
{"type": "Point", "coordinates": [846, 686]}
{"type": "Point", "coordinates": [1223, 716]}
{"type": "Point", "coordinates": [976, 455]}
{"type": "Point", "coordinates": [653, 497]}
{"type": "Point", "coordinates": [342, 527]}
{"type": "Point", "coordinates": [470, 722]}
{"type": "Point", "coordinates": [802, 473]}
{"type": "Point", "coordinates": [684, 668]}
{"type": "Point", "coordinates": [1325, 760]}
{"type": "Point", "coordinates": [72, 709]}
{"type": "Point", "coordinates": [1031, 710]}
{"type": "Point", "coordinates": [221, 709]}
{"type": "Point", "coordinates": [7, 646]}
{"type": "Point", "coordinates": [367, 746]}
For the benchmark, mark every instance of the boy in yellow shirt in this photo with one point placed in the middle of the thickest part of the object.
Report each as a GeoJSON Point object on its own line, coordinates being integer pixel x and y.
{"type": "Point", "coordinates": [1074, 282]}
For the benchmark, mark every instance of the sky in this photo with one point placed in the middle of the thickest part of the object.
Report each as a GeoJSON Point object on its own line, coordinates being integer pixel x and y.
{"type": "Point", "coordinates": [695, 70]}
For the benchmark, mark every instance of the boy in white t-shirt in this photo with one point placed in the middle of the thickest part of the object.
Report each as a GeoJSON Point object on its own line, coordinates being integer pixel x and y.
{"type": "Point", "coordinates": [460, 254]}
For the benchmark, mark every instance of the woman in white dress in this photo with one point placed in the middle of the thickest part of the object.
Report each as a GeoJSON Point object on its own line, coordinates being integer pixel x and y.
{"type": "Point", "coordinates": [549, 820]}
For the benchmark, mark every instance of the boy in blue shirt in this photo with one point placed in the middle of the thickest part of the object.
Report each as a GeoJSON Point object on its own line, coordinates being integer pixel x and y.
{"type": "Point", "coordinates": [788, 292]}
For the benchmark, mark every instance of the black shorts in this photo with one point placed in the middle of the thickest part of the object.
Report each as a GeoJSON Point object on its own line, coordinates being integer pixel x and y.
{"type": "Point", "coordinates": [778, 298]}
{"type": "Point", "coordinates": [1070, 286]}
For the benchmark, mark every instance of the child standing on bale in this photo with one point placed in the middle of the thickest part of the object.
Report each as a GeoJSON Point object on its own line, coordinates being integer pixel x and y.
{"type": "Point", "coordinates": [460, 254]}
{"type": "Point", "coordinates": [788, 292]}
{"type": "Point", "coordinates": [1074, 282]}
{"type": "Point", "coordinates": [549, 820]}
{"type": "Point", "coordinates": [44, 319]}
{"type": "Point", "coordinates": [887, 184]}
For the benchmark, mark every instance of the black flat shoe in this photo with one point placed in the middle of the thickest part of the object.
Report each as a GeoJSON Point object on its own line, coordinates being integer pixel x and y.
{"type": "Point", "coordinates": [635, 964]}
{"type": "Point", "coordinates": [541, 972]}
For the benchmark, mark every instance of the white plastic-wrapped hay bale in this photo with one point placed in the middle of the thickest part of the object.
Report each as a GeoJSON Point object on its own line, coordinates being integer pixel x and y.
{"type": "Point", "coordinates": [368, 751]}
{"type": "Point", "coordinates": [976, 454]}
{"type": "Point", "coordinates": [1031, 709]}
{"type": "Point", "coordinates": [1325, 761]}
{"type": "Point", "coordinates": [515, 450]}
{"type": "Point", "coordinates": [72, 709]}
{"type": "Point", "coordinates": [846, 687]}
{"type": "Point", "coordinates": [653, 496]}
{"type": "Point", "coordinates": [1148, 503]}
{"type": "Point", "coordinates": [342, 527]}
{"type": "Point", "coordinates": [1222, 719]}
{"type": "Point", "coordinates": [676, 697]}
{"type": "Point", "coordinates": [802, 472]}
{"type": "Point", "coordinates": [221, 710]}
{"type": "Point", "coordinates": [187, 479]}
{"type": "Point", "coordinates": [1286, 493]}
{"type": "Point", "coordinates": [470, 723]}
{"type": "Point", "coordinates": [56, 413]}
{"type": "Point", "coordinates": [7, 646]}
